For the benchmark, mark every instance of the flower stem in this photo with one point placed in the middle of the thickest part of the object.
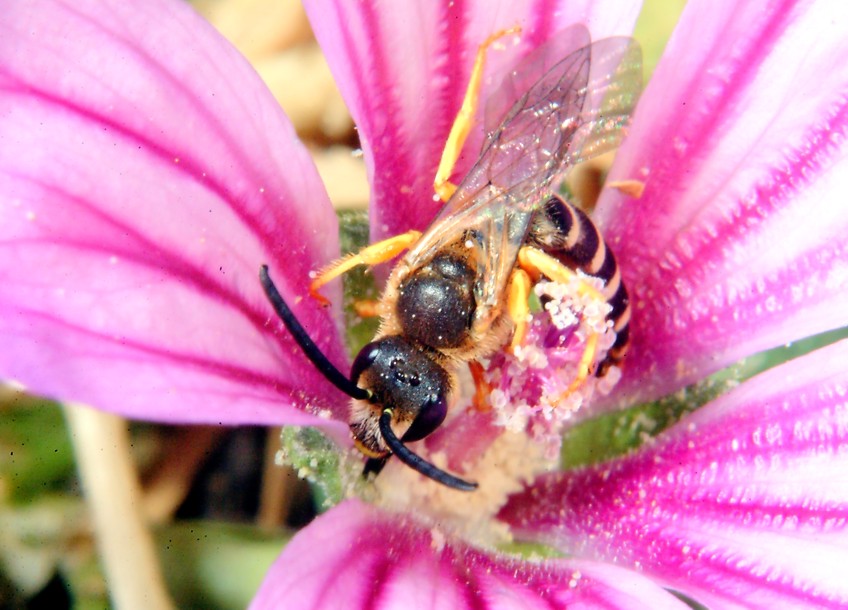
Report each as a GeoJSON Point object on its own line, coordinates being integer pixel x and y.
{"type": "Point", "coordinates": [170, 482]}
{"type": "Point", "coordinates": [275, 499]}
{"type": "Point", "coordinates": [102, 448]}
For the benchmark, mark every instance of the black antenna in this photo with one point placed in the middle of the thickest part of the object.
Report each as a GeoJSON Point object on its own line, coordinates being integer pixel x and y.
{"type": "Point", "coordinates": [312, 351]}
{"type": "Point", "coordinates": [416, 462]}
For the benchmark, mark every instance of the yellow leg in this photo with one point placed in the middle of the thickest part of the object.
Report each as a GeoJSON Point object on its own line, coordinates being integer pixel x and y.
{"type": "Point", "coordinates": [537, 262]}
{"type": "Point", "coordinates": [464, 119]}
{"type": "Point", "coordinates": [367, 308]}
{"type": "Point", "coordinates": [374, 254]}
{"type": "Point", "coordinates": [584, 367]}
{"type": "Point", "coordinates": [518, 305]}
{"type": "Point", "coordinates": [631, 188]}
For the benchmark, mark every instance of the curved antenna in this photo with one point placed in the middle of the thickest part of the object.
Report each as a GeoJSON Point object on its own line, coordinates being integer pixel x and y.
{"type": "Point", "coordinates": [415, 461]}
{"type": "Point", "coordinates": [312, 351]}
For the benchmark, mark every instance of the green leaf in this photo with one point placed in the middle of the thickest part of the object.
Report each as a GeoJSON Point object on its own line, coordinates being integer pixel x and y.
{"type": "Point", "coordinates": [358, 283]}
{"type": "Point", "coordinates": [36, 456]}
{"type": "Point", "coordinates": [614, 434]}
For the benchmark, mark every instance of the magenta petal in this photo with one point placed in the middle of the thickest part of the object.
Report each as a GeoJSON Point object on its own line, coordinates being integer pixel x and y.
{"type": "Point", "coordinates": [744, 502]}
{"type": "Point", "coordinates": [403, 68]}
{"type": "Point", "coordinates": [145, 174]}
{"type": "Point", "coordinates": [357, 556]}
{"type": "Point", "coordinates": [740, 241]}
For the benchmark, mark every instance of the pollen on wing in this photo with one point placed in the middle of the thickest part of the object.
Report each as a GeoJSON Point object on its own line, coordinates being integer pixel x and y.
{"type": "Point", "coordinates": [533, 388]}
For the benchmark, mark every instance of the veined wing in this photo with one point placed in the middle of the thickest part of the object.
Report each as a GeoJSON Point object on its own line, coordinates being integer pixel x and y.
{"type": "Point", "coordinates": [562, 104]}
{"type": "Point", "coordinates": [547, 81]}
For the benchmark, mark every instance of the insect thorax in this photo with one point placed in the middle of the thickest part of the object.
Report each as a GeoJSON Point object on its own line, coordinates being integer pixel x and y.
{"type": "Point", "coordinates": [436, 304]}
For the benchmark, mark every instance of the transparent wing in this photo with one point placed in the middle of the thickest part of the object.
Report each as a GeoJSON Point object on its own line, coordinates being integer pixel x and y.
{"type": "Point", "coordinates": [562, 104]}
{"type": "Point", "coordinates": [592, 87]}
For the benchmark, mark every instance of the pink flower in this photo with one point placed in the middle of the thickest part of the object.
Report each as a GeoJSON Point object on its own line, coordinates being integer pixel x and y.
{"type": "Point", "coordinates": [146, 173]}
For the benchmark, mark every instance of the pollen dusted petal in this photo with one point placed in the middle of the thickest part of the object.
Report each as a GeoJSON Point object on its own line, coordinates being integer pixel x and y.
{"type": "Point", "coordinates": [742, 504]}
{"type": "Point", "coordinates": [403, 68]}
{"type": "Point", "coordinates": [356, 556]}
{"type": "Point", "coordinates": [145, 174]}
{"type": "Point", "coordinates": [740, 240]}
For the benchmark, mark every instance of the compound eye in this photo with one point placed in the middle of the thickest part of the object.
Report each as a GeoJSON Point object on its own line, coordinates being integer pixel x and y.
{"type": "Point", "coordinates": [430, 417]}
{"type": "Point", "coordinates": [364, 360]}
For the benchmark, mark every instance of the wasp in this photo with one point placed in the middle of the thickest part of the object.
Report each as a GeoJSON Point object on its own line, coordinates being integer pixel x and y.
{"type": "Point", "coordinates": [461, 291]}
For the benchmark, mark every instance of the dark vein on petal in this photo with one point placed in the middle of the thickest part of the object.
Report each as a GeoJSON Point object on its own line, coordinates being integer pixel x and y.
{"type": "Point", "coordinates": [474, 598]}
{"type": "Point", "coordinates": [246, 377]}
{"type": "Point", "coordinates": [540, 31]}
{"type": "Point", "coordinates": [798, 169]}
{"type": "Point", "coordinates": [356, 558]}
{"type": "Point", "coordinates": [150, 254]}
{"type": "Point", "coordinates": [746, 66]}
{"type": "Point", "coordinates": [359, 68]}
{"type": "Point", "coordinates": [702, 570]}
{"type": "Point", "coordinates": [186, 166]}
{"type": "Point", "coordinates": [378, 576]}
{"type": "Point", "coordinates": [452, 45]}
{"type": "Point", "coordinates": [262, 323]}
{"type": "Point", "coordinates": [153, 62]}
{"type": "Point", "coordinates": [391, 146]}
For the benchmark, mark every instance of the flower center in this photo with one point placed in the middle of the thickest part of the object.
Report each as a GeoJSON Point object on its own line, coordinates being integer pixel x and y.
{"type": "Point", "coordinates": [532, 398]}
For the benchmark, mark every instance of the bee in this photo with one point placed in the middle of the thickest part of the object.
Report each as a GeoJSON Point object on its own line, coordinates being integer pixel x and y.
{"type": "Point", "coordinates": [460, 292]}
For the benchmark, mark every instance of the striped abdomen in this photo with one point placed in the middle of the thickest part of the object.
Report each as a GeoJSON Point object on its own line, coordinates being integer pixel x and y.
{"type": "Point", "coordinates": [568, 234]}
